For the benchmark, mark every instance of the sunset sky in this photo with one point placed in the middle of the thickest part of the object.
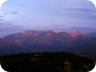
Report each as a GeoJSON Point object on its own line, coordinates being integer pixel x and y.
{"type": "Point", "coordinates": [49, 13]}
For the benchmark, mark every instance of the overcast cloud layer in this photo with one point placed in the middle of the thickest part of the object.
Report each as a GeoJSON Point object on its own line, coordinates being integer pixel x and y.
{"type": "Point", "coordinates": [42, 13]}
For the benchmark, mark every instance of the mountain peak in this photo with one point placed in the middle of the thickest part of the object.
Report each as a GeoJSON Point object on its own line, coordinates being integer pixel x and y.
{"type": "Point", "coordinates": [74, 34]}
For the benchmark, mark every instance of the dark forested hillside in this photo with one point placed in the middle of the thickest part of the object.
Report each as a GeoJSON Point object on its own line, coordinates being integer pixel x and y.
{"type": "Point", "coordinates": [46, 62]}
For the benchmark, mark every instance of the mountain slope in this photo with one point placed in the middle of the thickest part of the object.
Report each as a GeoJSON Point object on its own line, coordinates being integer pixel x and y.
{"type": "Point", "coordinates": [47, 40]}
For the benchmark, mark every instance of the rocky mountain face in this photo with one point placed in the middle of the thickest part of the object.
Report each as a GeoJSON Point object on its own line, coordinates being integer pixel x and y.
{"type": "Point", "coordinates": [50, 41]}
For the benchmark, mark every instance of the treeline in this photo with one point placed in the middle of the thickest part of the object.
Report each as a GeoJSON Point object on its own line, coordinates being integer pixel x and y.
{"type": "Point", "coordinates": [46, 62]}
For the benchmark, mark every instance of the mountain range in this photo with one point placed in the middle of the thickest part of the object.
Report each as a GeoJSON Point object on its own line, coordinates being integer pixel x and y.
{"type": "Point", "coordinates": [50, 41]}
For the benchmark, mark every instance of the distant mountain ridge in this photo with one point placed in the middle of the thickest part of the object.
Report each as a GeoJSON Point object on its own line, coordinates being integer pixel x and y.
{"type": "Point", "coordinates": [7, 29]}
{"type": "Point", "coordinates": [48, 40]}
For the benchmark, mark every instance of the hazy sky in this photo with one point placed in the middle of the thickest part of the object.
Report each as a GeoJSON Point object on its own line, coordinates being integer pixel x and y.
{"type": "Point", "coordinates": [40, 13]}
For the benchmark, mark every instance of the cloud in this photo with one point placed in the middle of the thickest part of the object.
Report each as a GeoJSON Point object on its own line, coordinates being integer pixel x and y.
{"type": "Point", "coordinates": [79, 9]}
{"type": "Point", "coordinates": [14, 12]}
{"type": "Point", "coordinates": [5, 12]}
{"type": "Point", "coordinates": [2, 2]}
{"type": "Point", "coordinates": [92, 17]}
{"type": "Point", "coordinates": [1, 18]}
{"type": "Point", "coordinates": [73, 28]}
{"type": "Point", "coordinates": [68, 8]}
{"type": "Point", "coordinates": [45, 12]}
